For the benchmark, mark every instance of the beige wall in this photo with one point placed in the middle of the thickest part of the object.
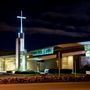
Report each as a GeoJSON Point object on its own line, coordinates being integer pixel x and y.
{"type": "Point", "coordinates": [8, 63]}
{"type": "Point", "coordinates": [67, 62]}
{"type": "Point", "coordinates": [1, 64]}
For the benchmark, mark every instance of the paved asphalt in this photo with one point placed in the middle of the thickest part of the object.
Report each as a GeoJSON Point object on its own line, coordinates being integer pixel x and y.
{"type": "Point", "coordinates": [47, 86]}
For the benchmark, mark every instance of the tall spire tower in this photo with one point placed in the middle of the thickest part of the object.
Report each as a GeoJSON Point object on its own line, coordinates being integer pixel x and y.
{"type": "Point", "coordinates": [20, 48]}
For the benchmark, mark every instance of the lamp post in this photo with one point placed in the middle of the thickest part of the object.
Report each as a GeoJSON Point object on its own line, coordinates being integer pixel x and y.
{"type": "Point", "coordinates": [59, 62]}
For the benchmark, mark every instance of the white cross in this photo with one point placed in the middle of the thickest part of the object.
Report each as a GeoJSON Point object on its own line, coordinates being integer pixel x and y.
{"type": "Point", "coordinates": [21, 18]}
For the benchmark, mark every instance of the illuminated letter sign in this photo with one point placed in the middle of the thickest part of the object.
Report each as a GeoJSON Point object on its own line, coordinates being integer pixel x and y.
{"type": "Point", "coordinates": [43, 51]}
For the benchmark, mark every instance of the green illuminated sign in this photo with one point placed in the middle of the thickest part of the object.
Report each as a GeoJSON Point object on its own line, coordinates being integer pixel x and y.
{"type": "Point", "coordinates": [43, 51]}
{"type": "Point", "coordinates": [87, 47]}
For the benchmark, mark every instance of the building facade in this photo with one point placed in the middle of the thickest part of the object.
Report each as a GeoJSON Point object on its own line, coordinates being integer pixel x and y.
{"type": "Point", "coordinates": [64, 56]}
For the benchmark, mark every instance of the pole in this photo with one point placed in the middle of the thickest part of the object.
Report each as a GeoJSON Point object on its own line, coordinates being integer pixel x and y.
{"type": "Point", "coordinates": [75, 68]}
{"type": "Point", "coordinates": [59, 63]}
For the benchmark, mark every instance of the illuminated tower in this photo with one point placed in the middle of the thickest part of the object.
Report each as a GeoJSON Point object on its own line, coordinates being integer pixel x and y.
{"type": "Point", "coordinates": [20, 48]}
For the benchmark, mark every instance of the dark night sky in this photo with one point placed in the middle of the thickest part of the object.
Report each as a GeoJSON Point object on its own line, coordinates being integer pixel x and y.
{"type": "Point", "coordinates": [49, 22]}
